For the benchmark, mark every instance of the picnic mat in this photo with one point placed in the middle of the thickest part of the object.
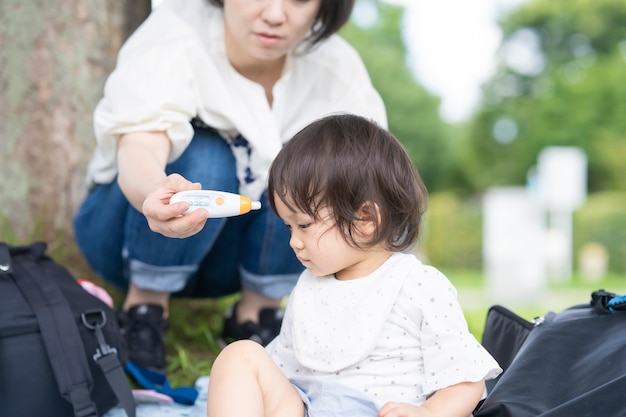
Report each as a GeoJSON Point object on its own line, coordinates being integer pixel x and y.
{"type": "Point", "coordinates": [147, 408]}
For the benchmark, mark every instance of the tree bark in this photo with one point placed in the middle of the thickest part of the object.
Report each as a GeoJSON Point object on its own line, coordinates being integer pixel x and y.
{"type": "Point", "coordinates": [55, 56]}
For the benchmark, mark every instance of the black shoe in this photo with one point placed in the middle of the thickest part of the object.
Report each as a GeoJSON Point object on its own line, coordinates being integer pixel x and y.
{"type": "Point", "coordinates": [143, 327]}
{"type": "Point", "coordinates": [263, 332]}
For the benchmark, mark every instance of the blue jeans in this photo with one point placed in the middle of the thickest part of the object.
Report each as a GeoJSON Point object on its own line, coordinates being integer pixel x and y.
{"type": "Point", "coordinates": [249, 251]}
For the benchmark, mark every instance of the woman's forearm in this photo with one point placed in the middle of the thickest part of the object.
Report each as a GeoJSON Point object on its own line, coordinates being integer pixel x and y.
{"type": "Point", "coordinates": [141, 159]}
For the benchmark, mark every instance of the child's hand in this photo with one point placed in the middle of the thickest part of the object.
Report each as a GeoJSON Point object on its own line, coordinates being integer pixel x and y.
{"type": "Point", "coordinates": [454, 401]}
{"type": "Point", "coordinates": [392, 409]}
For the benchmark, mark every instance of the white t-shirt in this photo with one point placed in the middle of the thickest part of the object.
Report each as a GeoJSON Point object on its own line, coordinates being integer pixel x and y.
{"type": "Point", "coordinates": [397, 334]}
{"type": "Point", "coordinates": [175, 68]}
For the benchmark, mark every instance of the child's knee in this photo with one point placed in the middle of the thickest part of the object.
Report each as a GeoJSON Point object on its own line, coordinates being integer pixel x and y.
{"type": "Point", "coordinates": [243, 351]}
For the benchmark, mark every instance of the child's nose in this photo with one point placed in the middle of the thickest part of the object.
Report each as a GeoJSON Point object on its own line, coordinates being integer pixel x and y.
{"type": "Point", "coordinates": [295, 243]}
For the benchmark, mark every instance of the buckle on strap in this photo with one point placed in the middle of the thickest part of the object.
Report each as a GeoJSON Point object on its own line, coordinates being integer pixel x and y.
{"type": "Point", "coordinates": [95, 320]}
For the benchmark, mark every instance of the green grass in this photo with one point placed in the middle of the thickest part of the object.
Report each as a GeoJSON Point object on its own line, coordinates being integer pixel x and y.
{"type": "Point", "coordinates": [191, 342]}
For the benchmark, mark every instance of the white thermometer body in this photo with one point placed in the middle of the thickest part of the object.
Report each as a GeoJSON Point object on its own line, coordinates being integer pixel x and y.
{"type": "Point", "coordinates": [217, 203]}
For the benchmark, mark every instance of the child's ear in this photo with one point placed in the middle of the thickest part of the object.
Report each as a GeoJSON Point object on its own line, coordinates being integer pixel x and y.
{"type": "Point", "coordinates": [369, 214]}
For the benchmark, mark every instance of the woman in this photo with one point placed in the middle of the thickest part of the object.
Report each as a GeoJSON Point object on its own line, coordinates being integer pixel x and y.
{"type": "Point", "coordinates": [204, 95]}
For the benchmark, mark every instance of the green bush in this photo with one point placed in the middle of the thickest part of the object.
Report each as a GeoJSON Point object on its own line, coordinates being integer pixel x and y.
{"type": "Point", "coordinates": [602, 220]}
{"type": "Point", "coordinates": [453, 232]}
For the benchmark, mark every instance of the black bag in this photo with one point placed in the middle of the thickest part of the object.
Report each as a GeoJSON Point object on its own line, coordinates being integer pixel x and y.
{"type": "Point", "coordinates": [61, 352]}
{"type": "Point", "coordinates": [571, 363]}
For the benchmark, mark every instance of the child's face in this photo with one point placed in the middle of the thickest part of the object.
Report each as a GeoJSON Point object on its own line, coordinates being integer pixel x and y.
{"type": "Point", "coordinates": [321, 248]}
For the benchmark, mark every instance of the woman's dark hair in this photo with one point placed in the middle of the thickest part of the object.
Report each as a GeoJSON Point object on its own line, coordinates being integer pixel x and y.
{"type": "Point", "coordinates": [346, 163]}
{"type": "Point", "coordinates": [332, 15]}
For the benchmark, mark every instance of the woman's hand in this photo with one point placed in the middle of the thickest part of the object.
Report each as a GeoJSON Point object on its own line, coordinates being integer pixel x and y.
{"type": "Point", "coordinates": [167, 219]}
{"type": "Point", "coordinates": [141, 159]}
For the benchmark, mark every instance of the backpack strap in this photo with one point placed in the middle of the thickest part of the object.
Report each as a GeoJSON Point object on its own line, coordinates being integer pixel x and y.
{"type": "Point", "coordinates": [61, 339]}
{"type": "Point", "coordinates": [106, 358]}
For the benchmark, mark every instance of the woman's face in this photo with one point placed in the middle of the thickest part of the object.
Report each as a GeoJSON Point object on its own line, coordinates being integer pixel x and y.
{"type": "Point", "coordinates": [266, 30]}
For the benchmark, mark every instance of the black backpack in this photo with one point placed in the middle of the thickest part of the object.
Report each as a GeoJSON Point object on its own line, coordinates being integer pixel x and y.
{"type": "Point", "coordinates": [61, 352]}
{"type": "Point", "coordinates": [571, 363]}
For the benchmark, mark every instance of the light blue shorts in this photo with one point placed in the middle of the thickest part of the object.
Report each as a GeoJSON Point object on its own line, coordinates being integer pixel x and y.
{"type": "Point", "coordinates": [334, 400]}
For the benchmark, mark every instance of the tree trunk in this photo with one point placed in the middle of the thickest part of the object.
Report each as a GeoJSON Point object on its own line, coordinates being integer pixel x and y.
{"type": "Point", "coordinates": [54, 58]}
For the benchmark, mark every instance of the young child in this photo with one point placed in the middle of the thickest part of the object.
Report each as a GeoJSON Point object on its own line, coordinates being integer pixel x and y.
{"type": "Point", "coordinates": [368, 330]}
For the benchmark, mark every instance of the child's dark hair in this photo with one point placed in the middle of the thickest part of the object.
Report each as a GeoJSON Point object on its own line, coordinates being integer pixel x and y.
{"type": "Point", "coordinates": [345, 163]}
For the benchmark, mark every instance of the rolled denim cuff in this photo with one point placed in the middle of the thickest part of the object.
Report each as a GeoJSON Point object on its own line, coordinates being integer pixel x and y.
{"type": "Point", "coordinates": [160, 278]}
{"type": "Point", "coordinates": [270, 286]}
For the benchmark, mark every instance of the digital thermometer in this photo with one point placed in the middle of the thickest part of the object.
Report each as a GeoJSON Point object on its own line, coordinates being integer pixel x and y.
{"type": "Point", "coordinates": [217, 203]}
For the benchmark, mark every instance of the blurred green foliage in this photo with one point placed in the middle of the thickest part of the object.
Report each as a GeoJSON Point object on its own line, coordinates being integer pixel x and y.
{"type": "Point", "coordinates": [453, 232]}
{"type": "Point", "coordinates": [602, 220]}
{"type": "Point", "coordinates": [569, 91]}
{"type": "Point", "coordinates": [412, 111]}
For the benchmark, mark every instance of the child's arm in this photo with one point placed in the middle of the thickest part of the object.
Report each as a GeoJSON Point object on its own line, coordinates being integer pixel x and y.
{"type": "Point", "coordinates": [455, 401]}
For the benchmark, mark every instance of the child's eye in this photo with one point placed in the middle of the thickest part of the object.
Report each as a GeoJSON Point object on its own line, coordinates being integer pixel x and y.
{"type": "Point", "coordinates": [300, 226]}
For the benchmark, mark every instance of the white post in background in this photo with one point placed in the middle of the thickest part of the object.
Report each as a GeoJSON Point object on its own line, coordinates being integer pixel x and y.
{"type": "Point", "coordinates": [513, 253]}
{"type": "Point", "coordinates": [562, 187]}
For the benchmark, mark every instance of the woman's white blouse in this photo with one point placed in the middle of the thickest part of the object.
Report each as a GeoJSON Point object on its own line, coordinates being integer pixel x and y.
{"type": "Point", "coordinates": [398, 334]}
{"type": "Point", "coordinates": [175, 68]}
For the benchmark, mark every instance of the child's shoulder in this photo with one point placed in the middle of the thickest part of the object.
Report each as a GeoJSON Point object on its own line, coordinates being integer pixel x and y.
{"type": "Point", "coordinates": [411, 262]}
{"type": "Point", "coordinates": [422, 278]}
